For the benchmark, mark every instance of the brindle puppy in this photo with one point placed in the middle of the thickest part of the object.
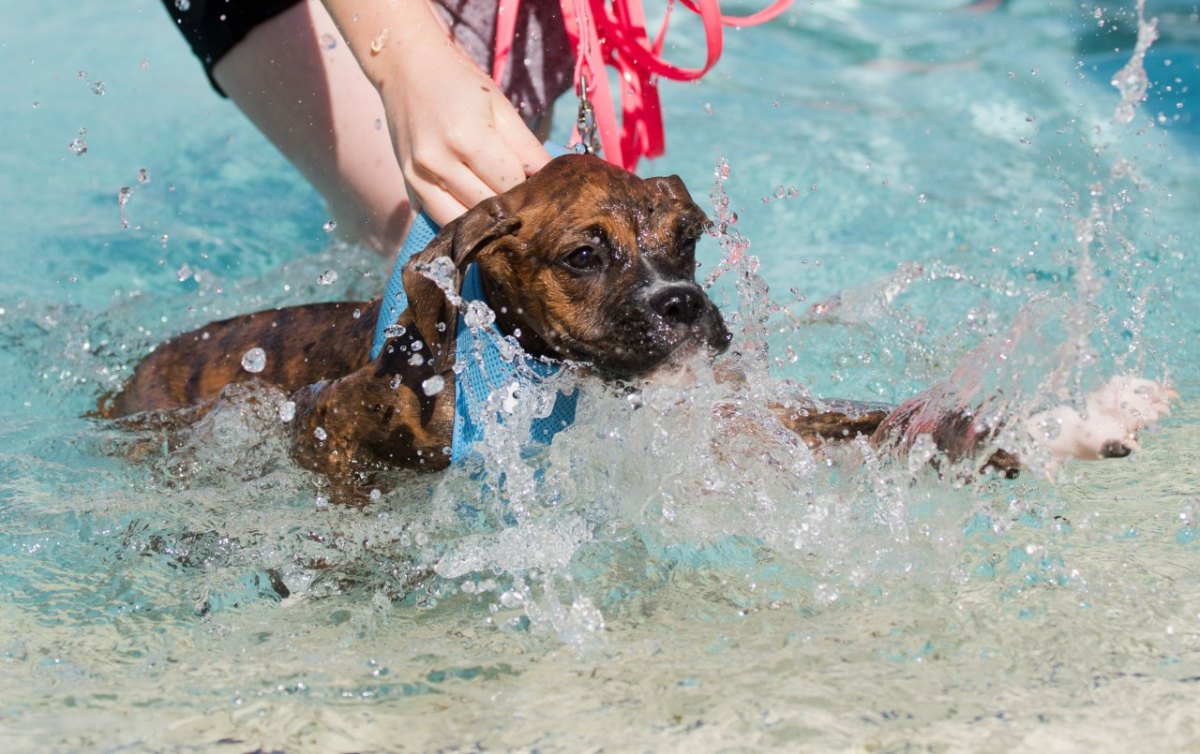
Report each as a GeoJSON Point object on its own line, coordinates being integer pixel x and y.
{"type": "Point", "coordinates": [583, 261]}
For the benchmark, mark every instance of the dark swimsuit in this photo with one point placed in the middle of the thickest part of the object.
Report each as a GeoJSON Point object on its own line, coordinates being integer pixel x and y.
{"type": "Point", "coordinates": [542, 67]}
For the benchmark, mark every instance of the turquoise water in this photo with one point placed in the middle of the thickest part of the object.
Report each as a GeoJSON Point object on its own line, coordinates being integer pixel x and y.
{"type": "Point", "coordinates": [939, 182]}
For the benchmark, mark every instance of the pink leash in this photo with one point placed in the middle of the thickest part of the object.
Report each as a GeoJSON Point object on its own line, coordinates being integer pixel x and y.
{"type": "Point", "coordinates": [616, 36]}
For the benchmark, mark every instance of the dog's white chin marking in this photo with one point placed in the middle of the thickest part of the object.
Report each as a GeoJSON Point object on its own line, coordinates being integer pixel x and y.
{"type": "Point", "coordinates": [678, 373]}
{"type": "Point", "coordinates": [1109, 424]}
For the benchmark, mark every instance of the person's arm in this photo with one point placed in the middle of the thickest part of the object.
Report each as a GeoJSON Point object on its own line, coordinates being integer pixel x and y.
{"type": "Point", "coordinates": [456, 136]}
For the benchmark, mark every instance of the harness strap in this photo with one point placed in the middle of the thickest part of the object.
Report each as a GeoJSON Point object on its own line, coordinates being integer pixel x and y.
{"type": "Point", "coordinates": [482, 370]}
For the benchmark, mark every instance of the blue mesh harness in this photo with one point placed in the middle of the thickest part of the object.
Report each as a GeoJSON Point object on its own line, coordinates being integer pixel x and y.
{"type": "Point", "coordinates": [484, 371]}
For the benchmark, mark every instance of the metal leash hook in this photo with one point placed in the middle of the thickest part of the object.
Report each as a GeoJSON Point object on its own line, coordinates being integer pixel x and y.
{"type": "Point", "coordinates": [585, 123]}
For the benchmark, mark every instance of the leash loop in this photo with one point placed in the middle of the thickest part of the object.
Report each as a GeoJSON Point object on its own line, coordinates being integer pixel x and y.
{"type": "Point", "coordinates": [614, 35]}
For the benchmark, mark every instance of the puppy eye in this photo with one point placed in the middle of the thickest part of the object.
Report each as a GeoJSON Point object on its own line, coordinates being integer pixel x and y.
{"type": "Point", "coordinates": [685, 251]}
{"type": "Point", "coordinates": [583, 259]}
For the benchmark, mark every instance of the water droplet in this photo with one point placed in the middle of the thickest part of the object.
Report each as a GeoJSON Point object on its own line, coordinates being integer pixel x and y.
{"type": "Point", "coordinates": [287, 411]}
{"type": "Point", "coordinates": [254, 360]}
{"type": "Point", "coordinates": [380, 39]}
{"type": "Point", "coordinates": [183, 5]}
{"type": "Point", "coordinates": [433, 385]}
{"type": "Point", "coordinates": [81, 75]}
{"type": "Point", "coordinates": [144, 65]}
{"type": "Point", "coordinates": [328, 277]}
{"type": "Point", "coordinates": [328, 42]}
{"type": "Point", "coordinates": [123, 199]}
{"type": "Point", "coordinates": [708, 108]}
{"type": "Point", "coordinates": [143, 176]}
{"type": "Point", "coordinates": [98, 88]}
{"type": "Point", "coordinates": [416, 360]}
{"type": "Point", "coordinates": [780, 192]}
{"type": "Point", "coordinates": [375, 494]}
{"type": "Point", "coordinates": [356, 314]}
{"type": "Point", "coordinates": [77, 147]}
{"type": "Point", "coordinates": [396, 382]}
{"type": "Point", "coordinates": [162, 240]}
{"type": "Point", "coordinates": [36, 104]}
{"type": "Point", "coordinates": [921, 198]}
{"type": "Point", "coordinates": [320, 434]}
{"type": "Point", "coordinates": [478, 314]}
{"type": "Point", "coordinates": [329, 226]}
{"type": "Point", "coordinates": [393, 331]}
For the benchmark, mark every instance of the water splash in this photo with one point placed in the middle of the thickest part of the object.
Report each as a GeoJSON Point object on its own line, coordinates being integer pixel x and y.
{"type": "Point", "coordinates": [651, 482]}
{"type": "Point", "coordinates": [1131, 81]}
{"type": "Point", "coordinates": [123, 197]}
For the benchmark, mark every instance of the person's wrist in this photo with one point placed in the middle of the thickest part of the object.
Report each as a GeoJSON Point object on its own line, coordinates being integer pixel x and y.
{"type": "Point", "coordinates": [395, 54]}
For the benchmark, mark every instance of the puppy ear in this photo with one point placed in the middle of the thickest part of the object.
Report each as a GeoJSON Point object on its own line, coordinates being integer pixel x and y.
{"type": "Point", "coordinates": [673, 195]}
{"type": "Point", "coordinates": [461, 241]}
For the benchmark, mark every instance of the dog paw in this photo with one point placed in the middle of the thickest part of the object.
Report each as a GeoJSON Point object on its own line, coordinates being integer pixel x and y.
{"type": "Point", "coordinates": [1109, 423]}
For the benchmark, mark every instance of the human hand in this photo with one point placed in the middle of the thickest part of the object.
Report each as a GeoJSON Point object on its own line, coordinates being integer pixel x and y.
{"type": "Point", "coordinates": [457, 137]}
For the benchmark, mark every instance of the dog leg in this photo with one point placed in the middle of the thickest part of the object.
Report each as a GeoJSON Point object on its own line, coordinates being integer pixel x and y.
{"type": "Point", "coordinates": [817, 425]}
{"type": "Point", "coordinates": [389, 413]}
{"type": "Point", "coordinates": [1109, 424]}
{"type": "Point", "coordinates": [1106, 428]}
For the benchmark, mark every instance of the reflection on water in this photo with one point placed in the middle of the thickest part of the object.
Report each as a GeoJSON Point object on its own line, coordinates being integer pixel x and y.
{"type": "Point", "coordinates": [663, 576]}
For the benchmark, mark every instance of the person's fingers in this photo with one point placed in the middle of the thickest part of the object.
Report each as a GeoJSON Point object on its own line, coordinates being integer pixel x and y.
{"type": "Point", "coordinates": [493, 163]}
{"type": "Point", "coordinates": [526, 147]}
{"type": "Point", "coordinates": [441, 207]}
{"type": "Point", "coordinates": [449, 170]}
{"type": "Point", "coordinates": [503, 152]}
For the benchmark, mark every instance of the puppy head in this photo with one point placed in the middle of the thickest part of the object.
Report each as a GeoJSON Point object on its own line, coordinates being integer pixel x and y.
{"type": "Point", "coordinates": [597, 265]}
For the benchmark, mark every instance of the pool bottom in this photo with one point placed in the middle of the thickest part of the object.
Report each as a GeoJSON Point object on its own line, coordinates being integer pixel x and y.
{"type": "Point", "coordinates": [1053, 617]}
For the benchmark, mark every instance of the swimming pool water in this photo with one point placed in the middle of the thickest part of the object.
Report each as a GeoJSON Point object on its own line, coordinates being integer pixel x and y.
{"type": "Point", "coordinates": [950, 188]}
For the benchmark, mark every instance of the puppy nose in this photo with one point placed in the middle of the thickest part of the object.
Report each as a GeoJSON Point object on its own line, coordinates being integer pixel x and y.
{"type": "Point", "coordinates": [678, 304]}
